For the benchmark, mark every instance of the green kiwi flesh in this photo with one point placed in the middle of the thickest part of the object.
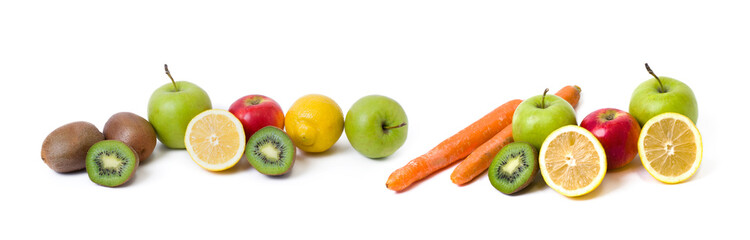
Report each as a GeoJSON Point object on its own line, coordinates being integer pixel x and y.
{"type": "Point", "coordinates": [111, 163]}
{"type": "Point", "coordinates": [270, 151]}
{"type": "Point", "coordinates": [64, 149]}
{"type": "Point", "coordinates": [514, 167]}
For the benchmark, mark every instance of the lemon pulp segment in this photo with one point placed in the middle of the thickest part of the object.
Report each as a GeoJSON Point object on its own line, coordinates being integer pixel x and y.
{"type": "Point", "coordinates": [572, 161]}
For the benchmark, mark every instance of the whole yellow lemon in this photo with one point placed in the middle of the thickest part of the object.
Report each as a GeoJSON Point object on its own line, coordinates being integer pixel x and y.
{"type": "Point", "coordinates": [314, 123]}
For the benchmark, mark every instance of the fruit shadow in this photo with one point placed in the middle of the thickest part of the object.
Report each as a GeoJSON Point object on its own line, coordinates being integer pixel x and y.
{"type": "Point", "coordinates": [129, 182]}
{"type": "Point", "coordinates": [537, 185]}
{"type": "Point", "coordinates": [301, 163]}
{"type": "Point", "coordinates": [73, 173]}
{"type": "Point", "coordinates": [143, 172]}
{"type": "Point", "coordinates": [335, 149]}
{"type": "Point", "coordinates": [159, 151]}
{"type": "Point", "coordinates": [642, 172]}
{"type": "Point", "coordinates": [303, 160]}
{"type": "Point", "coordinates": [613, 180]}
{"type": "Point", "coordinates": [242, 165]}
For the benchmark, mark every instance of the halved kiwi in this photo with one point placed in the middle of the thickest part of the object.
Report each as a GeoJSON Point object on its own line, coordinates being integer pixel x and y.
{"type": "Point", "coordinates": [270, 151]}
{"type": "Point", "coordinates": [111, 163]}
{"type": "Point", "coordinates": [514, 167]}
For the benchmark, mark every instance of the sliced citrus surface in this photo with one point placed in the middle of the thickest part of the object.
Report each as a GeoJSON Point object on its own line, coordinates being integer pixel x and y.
{"type": "Point", "coordinates": [670, 147]}
{"type": "Point", "coordinates": [215, 139]}
{"type": "Point", "coordinates": [572, 161]}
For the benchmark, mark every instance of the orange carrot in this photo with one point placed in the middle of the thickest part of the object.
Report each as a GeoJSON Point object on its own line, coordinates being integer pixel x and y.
{"type": "Point", "coordinates": [479, 160]}
{"type": "Point", "coordinates": [454, 148]}
{"type": "Point", "coordinates": [571, 94]}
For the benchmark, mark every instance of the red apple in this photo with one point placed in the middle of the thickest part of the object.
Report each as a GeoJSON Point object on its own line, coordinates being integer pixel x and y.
{"type": "Point", "coordinates": [256, 112]}
{"type": "Point", "coordinates": [617, 131]}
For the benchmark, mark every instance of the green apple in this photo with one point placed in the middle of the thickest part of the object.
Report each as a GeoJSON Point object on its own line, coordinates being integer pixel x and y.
{"type": "Point", "coordinates": [171, 108]}
{"type": "Point", "coordinates": [376, 126]}
{"type": "Point", "coordinates": [660, 95]}
{"type": "Point", "coordinates": [536, 117]}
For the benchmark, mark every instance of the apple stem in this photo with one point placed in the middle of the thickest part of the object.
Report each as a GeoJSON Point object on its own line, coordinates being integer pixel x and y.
{"type": "Point", "coordinates": [609, 116]}
{"type": "Point", "coordinates": [170, 77]}
{"type": "Point", "coordinates": [392, 127]}
{"type": "Point", "coordinates": [544, 95]}
{"type": "Point", "coordinates": [661, 86]}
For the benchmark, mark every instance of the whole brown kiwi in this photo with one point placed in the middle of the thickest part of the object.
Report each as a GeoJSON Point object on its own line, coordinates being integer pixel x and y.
{"type": "Point", "coordinates": [65, 148]}
{"type": "Point", "coordinates": [134, 131]}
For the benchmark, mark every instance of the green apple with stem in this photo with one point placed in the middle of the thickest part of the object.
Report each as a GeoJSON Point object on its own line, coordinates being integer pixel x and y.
{"type": "Point", "coordinates": [171, 108]}
{"type": "Point", "coordinates": [536, 117]}
{"type": "Point", "coordinates": [376, 126]}
{"type": "Point", "coordinates": [660, 95]}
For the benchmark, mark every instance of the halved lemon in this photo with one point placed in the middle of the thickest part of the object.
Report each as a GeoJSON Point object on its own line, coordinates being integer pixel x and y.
{"type": "Point", "coordinates": [670, 147]}
{"type": "Point", "coordinates": [572, 161]}
{"type": "Point", "coordinates": [215, 139]}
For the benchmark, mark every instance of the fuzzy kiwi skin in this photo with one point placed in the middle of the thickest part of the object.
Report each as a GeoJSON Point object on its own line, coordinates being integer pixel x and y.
{"type": "Point", "coordinates": [133, 130]}
{"type": "Point", "coordinates": [65, 148]}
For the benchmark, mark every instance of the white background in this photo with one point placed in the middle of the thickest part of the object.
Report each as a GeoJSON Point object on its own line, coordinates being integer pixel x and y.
{"type": "Point", "coordinates": [447, 62]}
